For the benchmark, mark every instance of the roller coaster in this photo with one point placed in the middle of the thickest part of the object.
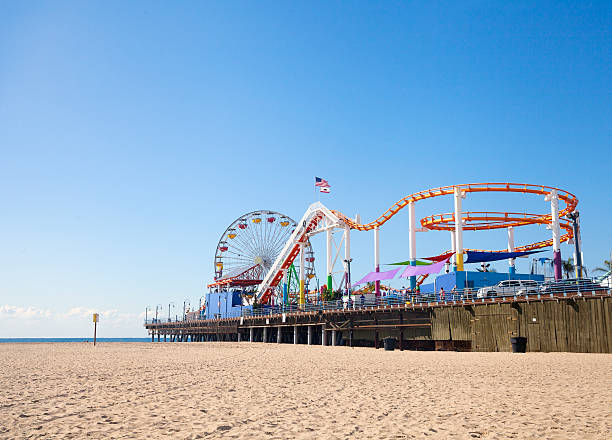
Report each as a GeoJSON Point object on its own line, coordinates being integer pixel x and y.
{"type": "Point", "coordinates": [319, 218]}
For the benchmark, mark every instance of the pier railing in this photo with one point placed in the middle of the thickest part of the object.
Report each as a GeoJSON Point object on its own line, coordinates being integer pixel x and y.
{"type": "Point", "coordinates": [359, 302]}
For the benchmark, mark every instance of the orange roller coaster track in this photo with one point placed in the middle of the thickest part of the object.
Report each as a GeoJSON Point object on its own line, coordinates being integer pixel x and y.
{"type": "Point", "coordinates": [480, 220]}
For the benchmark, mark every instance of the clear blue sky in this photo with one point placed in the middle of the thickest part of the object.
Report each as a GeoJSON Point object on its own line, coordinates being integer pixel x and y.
{"type": "Point", "coordinates": [133, 133]}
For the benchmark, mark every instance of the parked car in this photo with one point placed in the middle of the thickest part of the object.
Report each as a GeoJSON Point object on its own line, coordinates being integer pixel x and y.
{"type": "Point", "coordinates": [509, 287]}
{"type": "Point", "coordinates": [570, 285]}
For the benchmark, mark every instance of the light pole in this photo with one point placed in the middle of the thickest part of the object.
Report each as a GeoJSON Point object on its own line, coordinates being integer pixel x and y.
{"type": "Point", "coordinates": [147, 308]}
{"type": "Point", "coordinates": [348, 277]}
{"type": "Point", "coordinates": [157, 308]}
{"type": "Point", "coordinates": [170, 304]}
{"type": "Point", "coordinates": [185, 302]}
{"type": "Point", "coordinates": [574, 216]}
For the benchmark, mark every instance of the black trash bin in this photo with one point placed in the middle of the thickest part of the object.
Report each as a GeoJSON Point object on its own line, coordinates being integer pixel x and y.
{"type": "Point", "coordinates": [389, 344]}
{"type": "Point", "coordinates": [519, 344]}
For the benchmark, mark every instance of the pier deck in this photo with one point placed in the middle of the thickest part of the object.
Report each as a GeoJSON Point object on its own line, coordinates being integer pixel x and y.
{"type": "Point", "coordinates": [576, 323]}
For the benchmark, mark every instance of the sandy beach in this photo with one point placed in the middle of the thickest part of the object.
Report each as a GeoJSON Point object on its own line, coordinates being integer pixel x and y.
{"type": "Point", "coordinates": [242, 390]}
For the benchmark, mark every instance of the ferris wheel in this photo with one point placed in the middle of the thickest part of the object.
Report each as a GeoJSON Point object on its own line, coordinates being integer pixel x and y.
{"type": "Point", "coordinates": [250, 245]}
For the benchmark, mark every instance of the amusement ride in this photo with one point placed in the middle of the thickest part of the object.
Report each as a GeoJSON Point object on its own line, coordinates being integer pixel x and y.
{"type": "Point", "coordinates": [248, 248]}
{"type": "Point", "coordinates": [260, 249]}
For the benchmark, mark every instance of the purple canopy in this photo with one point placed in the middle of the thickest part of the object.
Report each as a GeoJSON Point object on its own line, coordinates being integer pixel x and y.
{"type": "Point", "coordinates": [423, 270]}
{"type": "Point", "coordinates": [378, 276]}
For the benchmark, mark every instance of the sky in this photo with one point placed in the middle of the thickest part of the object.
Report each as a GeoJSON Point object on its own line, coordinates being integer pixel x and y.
{"type": "Point", "coordinates": [132, 134]}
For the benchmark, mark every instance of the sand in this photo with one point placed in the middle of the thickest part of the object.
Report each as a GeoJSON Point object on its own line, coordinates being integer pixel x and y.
{"type": "Point", "coordinates": [270, 391]}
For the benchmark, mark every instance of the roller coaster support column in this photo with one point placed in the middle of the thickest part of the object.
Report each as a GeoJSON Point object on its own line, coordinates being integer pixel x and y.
{"type": "Point", "coordinates": [377, 258]}
{"type": "Point", "coordinates": [553, 198]}
{"type": "Point", "coordinates": [329, 260]}
{"type": "Point", "coordinates": [459, 195]}
{"type": "Point", "coordinates": [412, 241]}
{"type": "Point", "coordinates": [302, 274]}
{"type": "Point", "coordinates": [347, 259]}
{"type": "Point", "coordinates": [285, 287]}
{"type": "Point", "coordinates": [454, 249]}
{"type": "Point", "coordinates": [511, 261]}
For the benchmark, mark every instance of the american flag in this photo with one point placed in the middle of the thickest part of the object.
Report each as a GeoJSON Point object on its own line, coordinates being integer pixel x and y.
{"type": "Point", "coordinates": [321, 182]}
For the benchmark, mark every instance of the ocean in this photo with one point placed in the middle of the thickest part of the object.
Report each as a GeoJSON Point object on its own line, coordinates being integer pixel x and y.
{"type": "Point", "coordinates": [22, 340]}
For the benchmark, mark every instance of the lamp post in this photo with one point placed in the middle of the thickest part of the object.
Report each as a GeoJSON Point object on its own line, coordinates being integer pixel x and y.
{"type": "Point", "coordinates": [348, 277]}
{"type": "Point", "coordinates": [574, 217]}
{"type": "Point", "coordinates": [147, 308]}
{"type": "Point", "coordinates": [157, 308]}
{"type": "Point", "coordinates": [170, 304]}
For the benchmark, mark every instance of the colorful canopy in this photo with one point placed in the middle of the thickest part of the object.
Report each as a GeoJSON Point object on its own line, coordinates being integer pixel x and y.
{"type": "Point", "coordinates": [481, 257]}
{"type": "Point", "coordinates": [423, 270]}
{"type": "Point", "coordinates": [407, 263]}
{"type": "Point", "coordinates": [442, 257]}
{"type": "Point", "coordinates": [378, 276]}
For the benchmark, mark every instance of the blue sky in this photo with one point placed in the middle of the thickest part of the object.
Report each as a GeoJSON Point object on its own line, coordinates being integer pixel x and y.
{"type": "Point", "coordinates": [133, 133]}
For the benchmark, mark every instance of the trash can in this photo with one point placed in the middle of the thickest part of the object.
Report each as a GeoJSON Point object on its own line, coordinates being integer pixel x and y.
{"type": "Point", "coordinates": [519, 344]}
{"type": "Point", "coordinates": [389, 344]}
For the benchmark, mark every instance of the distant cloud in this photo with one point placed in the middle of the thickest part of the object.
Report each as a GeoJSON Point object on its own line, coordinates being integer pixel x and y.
{"type": "Point", "coordinates": [112, 316]}
{"type": "Point", "coordinates": [7, 311]}
{"type": "Point", "coordinates": [79, 312]}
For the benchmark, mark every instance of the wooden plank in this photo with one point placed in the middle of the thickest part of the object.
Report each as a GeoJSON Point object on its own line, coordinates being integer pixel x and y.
{"type": "Point", "coordinates": [461, 324]}
{"type": "Point", "coordinates": [582, 326]}
{"type": "Point", "coordinates": [545, 334]}
{"type": "Point", "coordinates": [533, 327]}
{"type": "Point", "coordinates": [560, 327]}
{"type": "Point", "coordinates": [607, 311]}
{"type": "Point", "coordinates": [573, 310]}
{"type": "Point", "coordinates": [550, 308]}
{"type": "Point", "coordinates": [597, 327]}
{"type": "Point", "coordinates": [601, 327]}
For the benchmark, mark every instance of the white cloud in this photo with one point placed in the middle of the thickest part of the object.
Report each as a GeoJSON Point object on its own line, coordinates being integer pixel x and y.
{"type": "Point", "coordinates": [79, 312]}
{"type": "Point", "coordinates": [29, 313]}
{"type": "Point", "coordinates": [111, 316]}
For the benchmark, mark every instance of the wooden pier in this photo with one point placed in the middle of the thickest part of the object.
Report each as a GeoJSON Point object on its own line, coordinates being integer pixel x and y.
{"type": "Point", "coordinates": [559, 323]}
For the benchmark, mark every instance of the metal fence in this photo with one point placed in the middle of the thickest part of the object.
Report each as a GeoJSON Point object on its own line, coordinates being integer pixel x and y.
{"type": "Point", "coordinates": [565, 288]}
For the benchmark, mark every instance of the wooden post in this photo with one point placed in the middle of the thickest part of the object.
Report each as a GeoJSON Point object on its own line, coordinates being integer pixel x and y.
{"type": "Point", "coordinates": [401, 341]}
{"type": "Point", "coordinates": [376, 333]}
{"type": "Point", "coordinates": [351, 333]}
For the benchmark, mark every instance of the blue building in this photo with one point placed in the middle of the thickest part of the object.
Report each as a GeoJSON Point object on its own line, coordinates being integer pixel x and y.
{"type": "Point", "coordinates": [225, 304]}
